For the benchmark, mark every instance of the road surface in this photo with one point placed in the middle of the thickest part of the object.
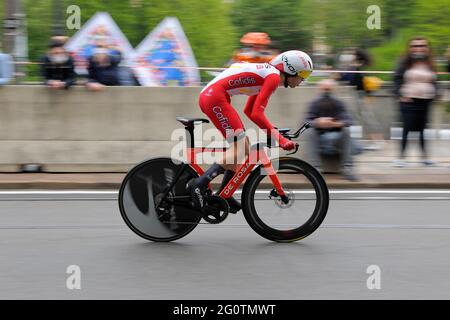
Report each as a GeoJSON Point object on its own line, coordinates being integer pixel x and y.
{"type": "Point", "coordinates": [404, 233]}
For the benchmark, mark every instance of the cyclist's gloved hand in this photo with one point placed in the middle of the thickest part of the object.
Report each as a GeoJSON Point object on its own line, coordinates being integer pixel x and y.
{"type": "Point", "coordinates": [286, 144]}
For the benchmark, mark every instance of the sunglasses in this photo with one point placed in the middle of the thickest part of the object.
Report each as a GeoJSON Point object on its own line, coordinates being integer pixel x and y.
{"type": "Point", "coordinates": [303, 74]}
{"type": "Point", "coordinates": [418, 46]}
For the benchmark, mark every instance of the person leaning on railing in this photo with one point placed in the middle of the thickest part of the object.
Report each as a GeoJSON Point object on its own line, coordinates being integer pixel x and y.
{"type": "Point", "coordinates": [58, 67]}
{"type": "Point", "coordinates": [5, 68]}
{"type": "Point", "coordinates": [103, 68]}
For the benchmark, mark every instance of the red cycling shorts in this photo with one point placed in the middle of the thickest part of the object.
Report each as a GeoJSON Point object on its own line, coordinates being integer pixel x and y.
{"type": "Point", "coordinates": [221, 113]}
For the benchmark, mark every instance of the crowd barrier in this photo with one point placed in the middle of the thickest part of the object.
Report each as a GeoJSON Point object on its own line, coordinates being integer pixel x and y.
{"type": "Point", "coordinates": [109, 131]}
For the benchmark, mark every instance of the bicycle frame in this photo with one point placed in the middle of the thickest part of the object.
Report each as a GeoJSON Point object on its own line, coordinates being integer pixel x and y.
{"type": "Point", "coordinates": [256, 152]}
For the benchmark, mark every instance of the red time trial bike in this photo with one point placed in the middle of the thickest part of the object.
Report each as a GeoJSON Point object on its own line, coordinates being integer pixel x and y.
{"type": "Point", "coordinates": [283, 199]}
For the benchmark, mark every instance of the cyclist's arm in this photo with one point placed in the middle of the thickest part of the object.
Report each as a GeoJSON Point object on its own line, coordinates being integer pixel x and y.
{"type": "Point", "coordinates": [256, 111]}
{"type": "Point", "coordinates": [249, 106]}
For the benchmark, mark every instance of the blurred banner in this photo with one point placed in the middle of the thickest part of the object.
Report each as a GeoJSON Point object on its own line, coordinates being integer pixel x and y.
{"type": "Point", "coordinates": [100, 30]}
{"type": "Point", "coordinates": [166, 47]}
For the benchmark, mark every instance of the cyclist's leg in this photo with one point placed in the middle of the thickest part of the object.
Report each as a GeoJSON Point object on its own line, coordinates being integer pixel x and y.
{"type": "Point", "coordinates": [227, 121]}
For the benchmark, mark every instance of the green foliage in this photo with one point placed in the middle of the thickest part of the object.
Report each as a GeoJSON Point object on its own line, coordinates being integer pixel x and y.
{"type": "Point", "coordinates": [38, 19]}
{"type": "Point", "coordinates": [287, 24]}
{"type": "Point", "coordinates": [396, 15]}
{"type": "Point", "coordinates": [425, 18]}
{"type": "Point", "coordinates": [345, 23]}
{"type": "Point", "coordinates": [431, 19]}
{"type": "Point", "coordinates": [207, 23]}
{"type": "Point", "coordinates": [2, 12]}
{"type": "Point", "coordinates": [213, 27]}
{"type": "Point", "coordinates": [385, 58]}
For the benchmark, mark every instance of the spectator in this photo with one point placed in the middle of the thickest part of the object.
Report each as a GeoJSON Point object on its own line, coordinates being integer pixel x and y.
{"type": "Point", "coordinates": [58, 67]}
{"type": "Point", "coordinates": [361, 60]}
{"type": "Point", "coordinates": [345, 62]}
{"type": "Point", "coordinates": [62, 39]}
{"type": "Point", "coordinates": [415, 88]}
{"type": "Point", "coordinates": [6, 68]}
{"type": "Point", "coordinates": [103, 67]}
{"type": "Point", "coordinates": [127, 77]}
{"type": "Point", "coordinates": [447, 89]}
{"type": "Point", "coordinates": [331, 135]}
{"type": "Point", "coordinates": [447, 55]}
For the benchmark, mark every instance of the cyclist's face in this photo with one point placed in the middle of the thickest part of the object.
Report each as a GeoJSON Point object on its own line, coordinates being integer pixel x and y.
{"type": "Point", "coordinates": [294, 81]}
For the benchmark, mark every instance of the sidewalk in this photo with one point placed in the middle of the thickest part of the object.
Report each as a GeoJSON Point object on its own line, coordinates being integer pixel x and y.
{"type": "Point", "coordinates": [373, 168]}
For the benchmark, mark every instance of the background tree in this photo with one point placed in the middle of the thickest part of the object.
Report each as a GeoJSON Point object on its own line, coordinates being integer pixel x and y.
{"type": "Point", "coordinates": [284, 20]}
{"type": "Point", "coordinates": [207, 24]}
{"type": "Point", "coordinates": [214, 27]}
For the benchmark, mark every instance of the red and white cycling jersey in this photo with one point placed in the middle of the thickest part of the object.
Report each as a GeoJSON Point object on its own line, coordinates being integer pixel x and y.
{"type": "Point", "coordinates": [244, 78]}
{"type": "Point", "coordinates": [256, 80]}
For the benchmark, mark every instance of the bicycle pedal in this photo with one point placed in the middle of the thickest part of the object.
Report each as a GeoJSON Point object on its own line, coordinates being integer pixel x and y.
{"type": "Point", "coordinates": [233, 205]}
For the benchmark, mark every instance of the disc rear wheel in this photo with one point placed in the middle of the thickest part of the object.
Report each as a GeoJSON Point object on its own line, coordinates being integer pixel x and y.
{"type": "Point", "coordinates": [145, 207]}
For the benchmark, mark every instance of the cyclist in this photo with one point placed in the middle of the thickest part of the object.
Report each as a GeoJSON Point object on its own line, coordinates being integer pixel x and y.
{"type": "Point", "coordinates": [258, 81]}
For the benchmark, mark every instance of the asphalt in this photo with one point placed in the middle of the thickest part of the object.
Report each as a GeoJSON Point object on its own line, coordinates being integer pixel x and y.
{"type": "Point", "coordinates": [406, 233]}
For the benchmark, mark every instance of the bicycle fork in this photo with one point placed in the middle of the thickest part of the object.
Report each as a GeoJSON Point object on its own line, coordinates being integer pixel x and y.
{"type": "Point", "coordinates": [245, 170]}
{"type": "Point", "coordinates": [268, 167]}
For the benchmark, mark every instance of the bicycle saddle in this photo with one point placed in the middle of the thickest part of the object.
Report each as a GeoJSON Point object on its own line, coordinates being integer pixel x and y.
{"type": "Point", "coordinates": [191, 121]}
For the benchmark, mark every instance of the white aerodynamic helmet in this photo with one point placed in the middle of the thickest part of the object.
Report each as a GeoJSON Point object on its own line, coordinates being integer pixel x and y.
{"type": "Point", "coordinates": [294, 63]}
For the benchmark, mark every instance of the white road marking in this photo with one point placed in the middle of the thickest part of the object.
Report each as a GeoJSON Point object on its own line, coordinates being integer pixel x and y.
{"type": "Point", "coordinates": [335, 195]}
{"type": "Point", "coordinates": [205, 225]}
{"type": "Point", "coordinates": [108, 192]}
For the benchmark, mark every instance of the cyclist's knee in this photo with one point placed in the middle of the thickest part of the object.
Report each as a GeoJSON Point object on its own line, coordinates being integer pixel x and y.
{"type": "Point", "coordinates": [237, 151]}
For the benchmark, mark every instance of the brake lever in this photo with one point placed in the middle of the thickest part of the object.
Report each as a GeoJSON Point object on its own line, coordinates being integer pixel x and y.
{"type": "Point", "coordinates": [296, 149]}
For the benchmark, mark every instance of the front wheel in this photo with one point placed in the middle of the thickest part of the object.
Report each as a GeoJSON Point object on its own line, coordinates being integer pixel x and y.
{"type": "Point", "coordinates": [290, 218]}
